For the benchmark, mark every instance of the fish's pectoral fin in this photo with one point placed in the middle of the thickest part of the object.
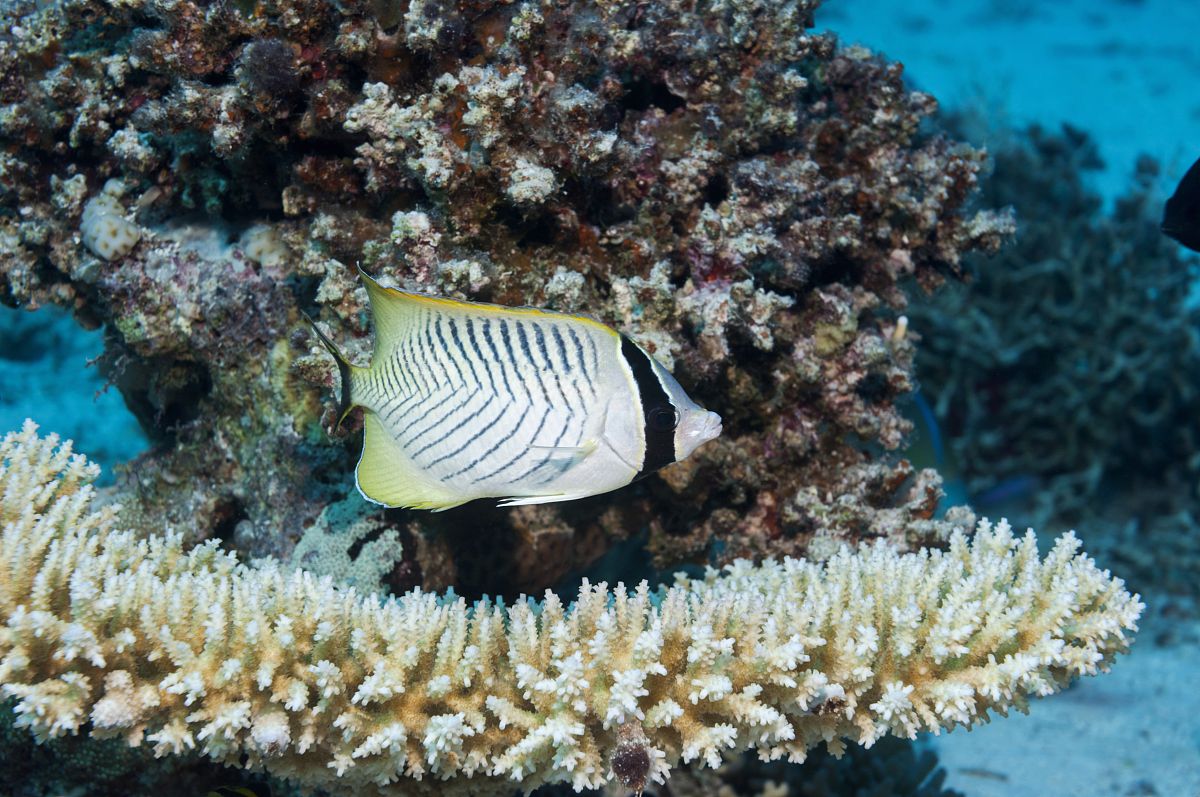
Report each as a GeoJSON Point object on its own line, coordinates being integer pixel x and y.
{"type": "Point", "coordinates": [576, 453]}
{"type": "Point", "coordinates": [527, 500]}
{"type": "Point", "coordinates": [387, 475]}
{"type": "Point", "coordinates": [609, 444]}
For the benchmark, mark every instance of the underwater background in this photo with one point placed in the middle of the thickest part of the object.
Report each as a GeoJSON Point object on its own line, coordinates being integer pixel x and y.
{"type": "Point", "coordinates": [1050, 373]}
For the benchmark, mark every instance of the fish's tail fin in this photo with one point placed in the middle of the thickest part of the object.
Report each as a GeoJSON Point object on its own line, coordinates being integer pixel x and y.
{"type": "Point", "coordinates": [345, 369]}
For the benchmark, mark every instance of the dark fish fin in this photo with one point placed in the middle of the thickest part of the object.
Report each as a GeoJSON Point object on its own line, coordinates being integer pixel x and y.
{"type": "Point", "coordinates": [344, 369]}
{"type": "Point", "coordinates": [1181, 216]}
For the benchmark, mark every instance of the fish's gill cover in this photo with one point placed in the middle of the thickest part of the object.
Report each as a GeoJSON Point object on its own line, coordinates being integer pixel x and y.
{"type": "Point", "coordinates": [108, 632]}
{"type": "Point", "coordinates": [741, 195]}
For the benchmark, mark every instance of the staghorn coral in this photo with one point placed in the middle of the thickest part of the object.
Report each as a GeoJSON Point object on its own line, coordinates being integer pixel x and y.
{"type": "Point", "coordinates": [1070, 360]}
{"type": "Point", "coordinates": [188, 650]}
{"type": "Point", "coordinates": [740, 194]}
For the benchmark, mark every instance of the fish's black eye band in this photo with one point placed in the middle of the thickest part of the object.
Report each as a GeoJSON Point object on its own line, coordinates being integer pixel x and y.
{"type": "Point", "coordinates": [660, 440]}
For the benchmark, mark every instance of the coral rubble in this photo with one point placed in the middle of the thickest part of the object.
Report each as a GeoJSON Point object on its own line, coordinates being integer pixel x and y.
{"type": "Point", "coordinates": [140, 639]}
{"type": "Point", "coordinates": [738, 193]}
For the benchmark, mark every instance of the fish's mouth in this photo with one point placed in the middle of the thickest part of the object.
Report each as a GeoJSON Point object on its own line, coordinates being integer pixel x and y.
{"type": "Point", "coordinates": [712, 426]}
{"type": "Point", "coordinates": [697, 429]}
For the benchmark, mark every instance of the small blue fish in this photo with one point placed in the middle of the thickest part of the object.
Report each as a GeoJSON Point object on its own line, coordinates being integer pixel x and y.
{"type": "Point", "coordinates": [466, 400]}
{"type": "Point", "coordinates": [929, 451]}
{"type": "Point", "coordinates": [1008, 491]}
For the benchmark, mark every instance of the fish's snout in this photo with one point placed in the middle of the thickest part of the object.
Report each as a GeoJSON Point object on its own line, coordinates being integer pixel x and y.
{"type": "Point", "coordinates": [712, 426]}
{"type": "Point", "coordinates": [698, 427]}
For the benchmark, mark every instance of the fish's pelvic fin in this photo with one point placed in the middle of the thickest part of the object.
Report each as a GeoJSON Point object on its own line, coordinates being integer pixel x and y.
{"type": "Point", "coordinates": [345, 369]}
{"type": "Point", "coordinates": [527, 500]}
{"type": "Point", "coordinates": [386, 475]}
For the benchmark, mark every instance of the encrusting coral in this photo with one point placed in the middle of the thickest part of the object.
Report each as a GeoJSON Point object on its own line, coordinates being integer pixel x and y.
{"type": "Point", "coordinates": [276, 668]}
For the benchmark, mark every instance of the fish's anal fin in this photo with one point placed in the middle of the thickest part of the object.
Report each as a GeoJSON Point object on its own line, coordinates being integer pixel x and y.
{"type": "Point", "coordinates": [386, 475]}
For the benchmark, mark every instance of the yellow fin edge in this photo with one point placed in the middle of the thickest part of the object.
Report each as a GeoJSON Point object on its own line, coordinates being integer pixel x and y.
{"type": "Point", "coordinates": [385, 475]}
{"type": "Point", "coordinates": [374, 288]}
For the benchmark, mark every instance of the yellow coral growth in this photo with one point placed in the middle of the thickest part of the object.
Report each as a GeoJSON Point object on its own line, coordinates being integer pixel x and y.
{"type": "Point", "coordinates": [189, 649]}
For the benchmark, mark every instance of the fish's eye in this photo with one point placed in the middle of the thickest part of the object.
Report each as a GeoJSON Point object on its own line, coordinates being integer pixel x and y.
{"type": "Point", "coordinates": [663, 419]}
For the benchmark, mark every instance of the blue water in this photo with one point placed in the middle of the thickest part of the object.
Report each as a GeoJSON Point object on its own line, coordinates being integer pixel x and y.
{"type": "Point", "coordinates": [47, 373]}
{"type": "Point", "coordinates": [1125, 71]}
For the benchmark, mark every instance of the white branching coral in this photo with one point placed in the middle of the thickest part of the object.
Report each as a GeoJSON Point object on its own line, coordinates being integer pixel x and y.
{"type": "Point", "coordinates": [189, 650]}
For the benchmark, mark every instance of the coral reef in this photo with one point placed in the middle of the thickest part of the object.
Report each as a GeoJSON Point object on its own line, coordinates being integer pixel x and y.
{"type": "Point", "coordinates": [1069, 362]}
{"type": "Point", "coordinates": [108, 767]}
{"type": "Point", "coordinates": [139, 639]}
{"type": "Point", "coordinates": [739, 194]}
{"type": "Point", "coordinates": [891, 768]}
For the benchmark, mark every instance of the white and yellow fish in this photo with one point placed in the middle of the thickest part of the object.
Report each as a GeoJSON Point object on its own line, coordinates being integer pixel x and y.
{"type": "Point", "coordinates": [466, 400]}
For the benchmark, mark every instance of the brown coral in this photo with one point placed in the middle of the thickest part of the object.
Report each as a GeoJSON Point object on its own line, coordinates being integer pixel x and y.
{"type": "Point", "coordinates": [740, 195]}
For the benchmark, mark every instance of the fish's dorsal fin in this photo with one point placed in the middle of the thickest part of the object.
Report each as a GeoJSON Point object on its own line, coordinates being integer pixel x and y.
{"type": "Point", "coordinates": [387, 475]}
{"type": "Point", "coordinates": [391, 311]}
{"type": "Point", "coordinates": [1181, 215]}
{"type": "Point", "coordinates": [391, 308]}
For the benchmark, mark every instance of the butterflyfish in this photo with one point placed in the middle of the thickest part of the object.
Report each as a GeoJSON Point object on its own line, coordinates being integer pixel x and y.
{"type": "Point", "coordinates": [465, 400]}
